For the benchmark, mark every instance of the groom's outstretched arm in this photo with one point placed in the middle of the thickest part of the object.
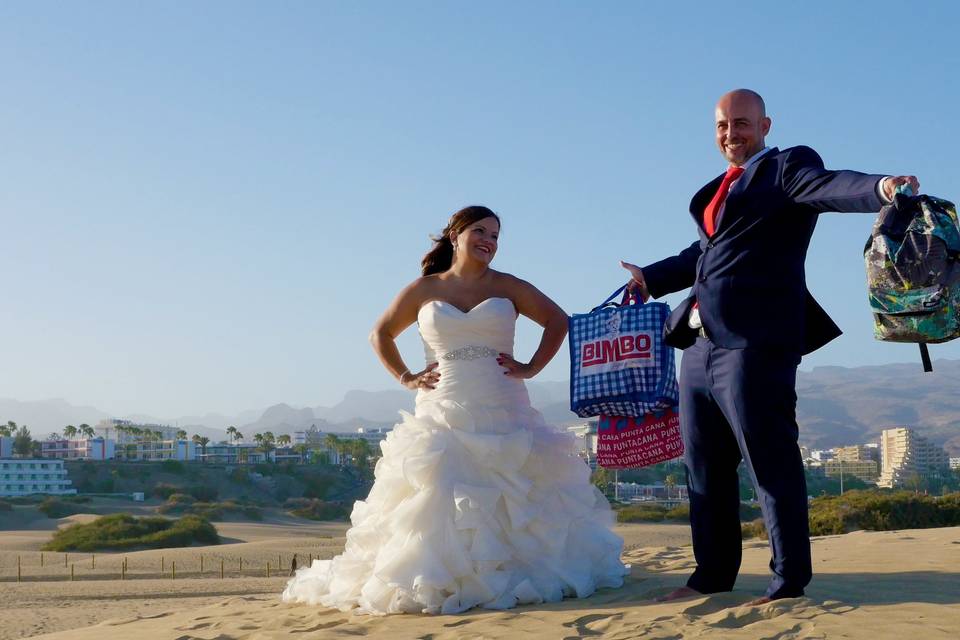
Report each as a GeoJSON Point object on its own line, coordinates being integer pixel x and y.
{"type": "Point", "coordinates": [675, 273]}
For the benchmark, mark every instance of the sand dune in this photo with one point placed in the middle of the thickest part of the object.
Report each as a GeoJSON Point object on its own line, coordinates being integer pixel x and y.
{"type": "Point", "coordinates": [867, 585]}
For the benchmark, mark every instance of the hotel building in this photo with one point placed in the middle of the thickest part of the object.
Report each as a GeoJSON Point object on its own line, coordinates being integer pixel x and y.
{"type": "Point", "coordinates": [86, 449]}
{"type": "Point", "coordinates": [905, 453]}
{"type": "Point", "coordinates": [22, 477]}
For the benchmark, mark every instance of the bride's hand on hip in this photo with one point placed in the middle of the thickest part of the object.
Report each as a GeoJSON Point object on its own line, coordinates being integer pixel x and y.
{"type": "Point", "coordinates": [515, 369]}
{"type": "Point", "coordinates": [426, 379]}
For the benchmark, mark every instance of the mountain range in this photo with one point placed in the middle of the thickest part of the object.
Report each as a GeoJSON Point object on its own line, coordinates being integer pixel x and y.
{"type": "Point", "coordinates": [836, 406]}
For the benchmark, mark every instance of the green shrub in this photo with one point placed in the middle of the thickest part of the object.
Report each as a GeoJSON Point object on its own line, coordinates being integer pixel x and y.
{"type": "Point", "coordinates": [164, 490]}
{"type": "Point", "coordinates": [315, 509]}
{"type": "Point", "coordinates": [173, 466]}
{"type": "Point", "coordinates": [882, 511]}
{"type": "Point", "coordinates": [754, 529]}
{"type": "Point", "coordinates": [317, 486]}
{"type": "Point", "coordinates": [183, 504]}
{"type": "Point", "coordinates": [642, 513]}
{"type": "Point", "coordinates": [123, 531]}
{"type": "Point", "coordinates": [203, 493]}
{"type": "Point", "coordinates": [56, 508]}
{"type": "Point", "coordinates": [5, 506]}
{"type": "Point", "coordinates": [749, 512]}
{"type": "Point", "coordinates": [239, 475]}
{"type": "Point", "coordinates": [679, 513]}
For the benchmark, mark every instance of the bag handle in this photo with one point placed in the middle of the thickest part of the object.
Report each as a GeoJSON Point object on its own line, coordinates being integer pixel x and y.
{"type": "Point", "coordinates": [627, 298]}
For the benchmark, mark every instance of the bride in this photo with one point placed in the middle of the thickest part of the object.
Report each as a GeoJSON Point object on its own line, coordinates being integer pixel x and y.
{"type": "Point", "coordinates": [476, 502]}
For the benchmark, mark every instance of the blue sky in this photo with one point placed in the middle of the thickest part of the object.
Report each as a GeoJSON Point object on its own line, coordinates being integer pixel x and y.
{"type": "Point", "coordinates": [205, 206]}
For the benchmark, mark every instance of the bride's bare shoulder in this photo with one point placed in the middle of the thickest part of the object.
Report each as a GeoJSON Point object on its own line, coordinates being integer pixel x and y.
{"type": "Point", "coordinates": [510, 282]}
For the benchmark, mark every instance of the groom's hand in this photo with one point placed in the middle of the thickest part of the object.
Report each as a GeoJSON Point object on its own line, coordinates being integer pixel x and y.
{"type": "Point", "coordinates": [891, 183]}
{"type": "Point", "coordinates": [637, 285]}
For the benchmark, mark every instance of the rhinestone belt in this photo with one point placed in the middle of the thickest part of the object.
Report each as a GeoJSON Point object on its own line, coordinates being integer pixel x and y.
{"type": "Point", "coordinates": [470, 353]}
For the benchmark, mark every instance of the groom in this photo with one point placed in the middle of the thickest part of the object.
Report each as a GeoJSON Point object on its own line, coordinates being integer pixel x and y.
{"type": "Point", "coordinates": [747, 322]}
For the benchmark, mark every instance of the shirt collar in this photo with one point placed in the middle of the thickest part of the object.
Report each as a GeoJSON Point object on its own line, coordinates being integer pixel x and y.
{"type": "Point", "coordinates": [754, 158]}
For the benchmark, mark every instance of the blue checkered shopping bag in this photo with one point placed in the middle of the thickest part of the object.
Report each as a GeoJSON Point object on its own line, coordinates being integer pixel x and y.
{"type": "Point", "coordinates": [619, 364]}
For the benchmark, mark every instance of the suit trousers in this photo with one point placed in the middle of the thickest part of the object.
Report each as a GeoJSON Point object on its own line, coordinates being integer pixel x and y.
{"type": "Point", "coordinates": [740, 404]}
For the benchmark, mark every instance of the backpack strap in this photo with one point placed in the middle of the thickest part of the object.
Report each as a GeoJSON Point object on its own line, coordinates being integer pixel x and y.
{"type": "Point", "coordinates": [925, 358]}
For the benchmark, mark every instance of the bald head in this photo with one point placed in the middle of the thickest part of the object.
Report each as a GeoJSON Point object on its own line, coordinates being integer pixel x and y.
{"type": "Point", "coordinates": [745, 96]}
{"type": "Point", "coordinates": [741, 125]}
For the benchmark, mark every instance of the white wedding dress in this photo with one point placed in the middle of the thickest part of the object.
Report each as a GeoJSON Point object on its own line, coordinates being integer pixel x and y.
{"type": "Point", "coordinates": [476, 502]}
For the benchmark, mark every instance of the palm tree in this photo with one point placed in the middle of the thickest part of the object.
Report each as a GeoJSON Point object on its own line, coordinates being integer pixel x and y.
{"type": "Point", "coordinates": [69, 431]}
{"type": "Point", "coordinates": [332, 442]}
{"type": "Point", "coordinates": [669, 483]}
{"type": "Point", "coordinates": [87, 431]}
{"type": "Point", "coordinates": [203, 442]}
{"type": "Point", "coordinates": [6, 430]}
{"type": "Point", "coordinates": [258, 438]}
{"type": "Point", "coordinates": [360, 451]}
{"type": "Point", "coordinates": [22, 441]}
{"type": "Point", "coordinates": [301, 449]}
{"type": "Point", "coordinates": [181, 434]}
{"type": "Point", "coordinates": [269, 444]}
{"type": "Point", "coordinates": [283, 440]}
{"type": "Point", "coordinates": [232, 432]}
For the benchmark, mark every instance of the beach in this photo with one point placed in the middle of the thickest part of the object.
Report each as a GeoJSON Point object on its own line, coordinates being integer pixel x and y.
{"type": "Point", "coordinates": [867, 585]}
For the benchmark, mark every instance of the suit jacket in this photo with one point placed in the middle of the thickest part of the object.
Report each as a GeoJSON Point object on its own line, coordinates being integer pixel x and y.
{"type": "Point", "coordinates": [749, 278]}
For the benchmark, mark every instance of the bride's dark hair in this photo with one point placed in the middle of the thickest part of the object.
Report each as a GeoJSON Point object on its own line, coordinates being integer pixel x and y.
{"type": "Point", "coordinates": [440, 257]}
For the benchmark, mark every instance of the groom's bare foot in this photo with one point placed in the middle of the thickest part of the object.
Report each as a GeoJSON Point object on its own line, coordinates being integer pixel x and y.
{"type": "Point", "coordinates": [679, 594]}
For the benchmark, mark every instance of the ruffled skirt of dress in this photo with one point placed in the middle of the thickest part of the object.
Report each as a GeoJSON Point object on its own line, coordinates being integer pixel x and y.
{"type": "Point", "coordinates": [471, 506]}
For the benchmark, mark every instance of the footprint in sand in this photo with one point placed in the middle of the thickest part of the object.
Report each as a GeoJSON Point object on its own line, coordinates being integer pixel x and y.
{"type": "Point", "coordinates": [594, 624]}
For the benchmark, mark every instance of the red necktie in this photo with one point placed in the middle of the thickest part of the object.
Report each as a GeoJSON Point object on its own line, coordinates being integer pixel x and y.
{"type": "Point", "coordinates": [710, 213]}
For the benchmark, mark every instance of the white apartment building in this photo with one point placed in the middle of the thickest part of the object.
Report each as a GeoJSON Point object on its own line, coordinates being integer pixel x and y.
{"type": "Point", "coordinates": [157, 450]}
{"type": "Point", "coordinates": [955, 463]}
{"type": "Point", "coordinates": [904, 453]}
{"type": "Point", "coordinates": [124, 431]}
{"type": "Point", "coordinates": [866, 470]}
{"type": "Point", "coordinates": [21, 477]}
{"type": "Point", "coordinates": [85, 449]}
{"type": "Point", "coordinates": [585, 442]}
{"type": "Point", "coordinates": [243, 453]}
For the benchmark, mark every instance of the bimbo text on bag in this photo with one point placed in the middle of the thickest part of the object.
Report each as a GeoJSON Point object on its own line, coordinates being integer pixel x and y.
{"type": "Point", "coordinates": [619, 363]}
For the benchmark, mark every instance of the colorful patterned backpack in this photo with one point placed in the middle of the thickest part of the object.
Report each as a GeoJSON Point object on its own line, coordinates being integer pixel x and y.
{"type": "Point", "coordinates": [913, 272]}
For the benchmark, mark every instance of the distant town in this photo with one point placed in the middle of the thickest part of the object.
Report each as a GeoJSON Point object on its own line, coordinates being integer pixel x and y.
{"type": "Point", "coordinates": [901, 459]}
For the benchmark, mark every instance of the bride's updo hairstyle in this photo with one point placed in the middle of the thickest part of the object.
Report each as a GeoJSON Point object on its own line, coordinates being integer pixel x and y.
{"type": "Point", "coordinates": [440, 257]}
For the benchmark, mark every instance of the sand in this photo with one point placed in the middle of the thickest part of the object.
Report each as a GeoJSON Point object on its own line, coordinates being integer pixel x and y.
{"type": "Point", "coordinates": [876, 585]}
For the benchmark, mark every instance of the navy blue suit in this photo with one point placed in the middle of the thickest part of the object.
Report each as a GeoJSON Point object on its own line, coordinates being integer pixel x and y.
{"type": "Point", "coordinates": [737, 386]}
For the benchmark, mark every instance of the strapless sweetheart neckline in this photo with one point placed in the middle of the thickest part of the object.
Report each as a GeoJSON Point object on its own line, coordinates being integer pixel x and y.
{"type": "Point", "coordinates": [471, 309]}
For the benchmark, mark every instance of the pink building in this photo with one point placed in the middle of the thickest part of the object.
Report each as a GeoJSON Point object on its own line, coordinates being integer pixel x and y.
{"type": "Point", "coordinates": [87, 449]}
